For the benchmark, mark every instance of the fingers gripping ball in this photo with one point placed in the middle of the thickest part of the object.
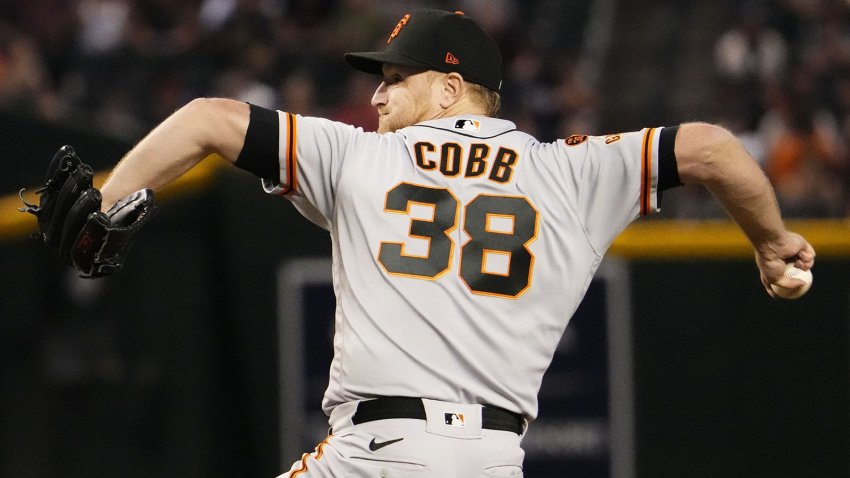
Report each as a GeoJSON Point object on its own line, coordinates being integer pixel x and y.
{"type": "Point", "coordinates": [792, 272]}
{"type": "Point", "coordinates": [71, 224]}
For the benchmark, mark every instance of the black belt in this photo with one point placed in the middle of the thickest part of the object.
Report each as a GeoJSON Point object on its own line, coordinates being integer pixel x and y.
{"type": "Point", "coordinates": [493, 418]}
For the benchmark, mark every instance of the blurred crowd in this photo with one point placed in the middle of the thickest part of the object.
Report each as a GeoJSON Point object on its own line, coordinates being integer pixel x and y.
{"type": "Point", "coordinates": [121, 66]}
{"type": "Point", "coordinates": [783, 71]}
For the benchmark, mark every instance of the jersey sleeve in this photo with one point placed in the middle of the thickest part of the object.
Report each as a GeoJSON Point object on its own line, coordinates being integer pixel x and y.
{"type": "Point", "coordinates": [613, 180]}
{"type": "Point", "coordinates": [310, 153]}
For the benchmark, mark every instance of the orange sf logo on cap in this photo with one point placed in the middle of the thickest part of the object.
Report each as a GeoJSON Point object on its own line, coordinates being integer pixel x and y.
{"type": "Point", "coordinates": [401, 24]}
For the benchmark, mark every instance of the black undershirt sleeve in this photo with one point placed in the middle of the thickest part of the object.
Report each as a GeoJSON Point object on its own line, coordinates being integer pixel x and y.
{"type": "Point", "coordinates": [668, 169]}
{"type": "Point", "coordinates": [259, 154]}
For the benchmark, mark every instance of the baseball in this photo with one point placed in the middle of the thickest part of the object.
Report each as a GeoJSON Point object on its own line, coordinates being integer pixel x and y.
{"type": "Point", "coordinates": [794, 273]}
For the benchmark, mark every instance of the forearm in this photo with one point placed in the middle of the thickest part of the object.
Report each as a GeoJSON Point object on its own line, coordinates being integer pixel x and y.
{"type": "Point", "coordinates": [193, 132]}
{"type": "Point", "coordinates": [713, 157]}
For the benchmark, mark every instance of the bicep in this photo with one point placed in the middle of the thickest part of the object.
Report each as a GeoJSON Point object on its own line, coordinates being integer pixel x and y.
{"type": "Point", "coordinates": [700, 150]}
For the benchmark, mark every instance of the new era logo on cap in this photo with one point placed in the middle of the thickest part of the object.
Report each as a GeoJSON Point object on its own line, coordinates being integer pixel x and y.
{"type": "Point", "coordinates": [451, 59]}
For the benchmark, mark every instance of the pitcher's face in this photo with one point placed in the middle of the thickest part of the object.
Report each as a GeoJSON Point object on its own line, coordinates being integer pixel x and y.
{"type": "Point", "coordinates": [406, 96]}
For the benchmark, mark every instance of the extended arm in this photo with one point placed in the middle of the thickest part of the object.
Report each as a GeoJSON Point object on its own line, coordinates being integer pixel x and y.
{"type": "Point", "coordinates": [92, 230]}
{"type": "Point", "coordinates": [202, 127]}
{"type": "Point", "coordinates": [712, 156]}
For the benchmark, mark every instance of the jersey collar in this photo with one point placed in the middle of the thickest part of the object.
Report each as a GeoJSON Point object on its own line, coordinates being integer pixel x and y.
{"type": "Point", "coordinates": [470, 125]}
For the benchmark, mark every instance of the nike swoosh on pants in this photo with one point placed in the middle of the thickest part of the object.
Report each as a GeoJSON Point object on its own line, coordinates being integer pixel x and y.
{"type": "Point", "coordinates": [375, 446]}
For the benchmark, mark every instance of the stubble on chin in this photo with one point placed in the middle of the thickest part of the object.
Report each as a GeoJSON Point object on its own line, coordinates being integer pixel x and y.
{"type": "Point", "coordinates": [386, 124]}
{"type": "Point", "coordinates": [383, 123]}
{"type": "Point", "coordinates": [382, 127]}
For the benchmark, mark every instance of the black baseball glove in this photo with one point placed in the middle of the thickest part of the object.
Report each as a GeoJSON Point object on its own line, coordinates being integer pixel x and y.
{"type": "Point", "coordinates": [71, 224]}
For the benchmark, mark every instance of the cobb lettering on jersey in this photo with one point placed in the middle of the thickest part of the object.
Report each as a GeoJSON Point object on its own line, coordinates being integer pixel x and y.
{"type": "Point", "coordinates": [450, 160]}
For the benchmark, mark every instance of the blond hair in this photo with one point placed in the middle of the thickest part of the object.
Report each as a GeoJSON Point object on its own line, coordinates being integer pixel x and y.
{"type": "Point", "coordinates": [489, 99]}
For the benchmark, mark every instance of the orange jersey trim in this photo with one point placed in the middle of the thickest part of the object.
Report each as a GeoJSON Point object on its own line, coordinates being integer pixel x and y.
{"type": "Point", "coordinates": [646, 172]}
{"type": "Point", "coordinates": [320, 451]}
{"type": "Point", "coordinates": [291, 156]}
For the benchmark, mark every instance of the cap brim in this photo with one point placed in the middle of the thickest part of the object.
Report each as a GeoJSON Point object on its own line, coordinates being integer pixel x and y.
{"type": "Point", "coordinates": [373, 62]}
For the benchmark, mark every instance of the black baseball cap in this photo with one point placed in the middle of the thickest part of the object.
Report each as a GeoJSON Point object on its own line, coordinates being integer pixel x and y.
{"type": "Point", "coordinates": [438, 40]}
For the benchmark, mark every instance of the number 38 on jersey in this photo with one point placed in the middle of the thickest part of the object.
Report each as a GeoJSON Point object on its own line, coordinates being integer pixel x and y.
{"type": "Point", "coordinates": [494, 261]}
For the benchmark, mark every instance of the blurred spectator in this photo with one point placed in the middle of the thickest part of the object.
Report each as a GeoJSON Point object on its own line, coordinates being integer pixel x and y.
{"type": "Point", "coordinates": [751, 50]}
{"type": "Point", "coordinates": [240, 85]}
{"type": "Point", "coordinates": [298, 93]}
{"type": "Point", "coordinates": [781, 68]}
{"type": "Point", "coordinates": [22, 71]}
{"type": "Point", "coordinates": [356, 25]}
{"type": "Point", "coordinates": [102, 25]}
{"type": "Point", "coordinates": [806, 157]}
{"type": "Point", "coordinates": [356, 109]}
{"type": "Point", "coordinates": [749, 56]}
{"type": "Point", "coordinates": [577, 101]}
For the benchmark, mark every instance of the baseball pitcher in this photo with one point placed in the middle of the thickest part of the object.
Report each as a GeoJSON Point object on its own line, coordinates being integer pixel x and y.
{"type": "Point", "coordinates": [461, 245]}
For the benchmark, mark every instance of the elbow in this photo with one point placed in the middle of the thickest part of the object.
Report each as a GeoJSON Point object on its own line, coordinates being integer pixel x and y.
{"type": "Point", "coordinates": [207, 104]}
{"type": "Point", "coordinates": [202, 107]}
{"type": "Point", "coordinates": [704, 151]}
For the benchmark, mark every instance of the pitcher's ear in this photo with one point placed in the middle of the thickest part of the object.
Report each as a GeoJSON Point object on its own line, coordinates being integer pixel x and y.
{"type": "Point", "coordinates": [453, 89]}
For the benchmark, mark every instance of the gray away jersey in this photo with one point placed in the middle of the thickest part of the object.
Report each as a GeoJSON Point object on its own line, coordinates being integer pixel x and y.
{"type": "Point", "coordinates": [461, 247]}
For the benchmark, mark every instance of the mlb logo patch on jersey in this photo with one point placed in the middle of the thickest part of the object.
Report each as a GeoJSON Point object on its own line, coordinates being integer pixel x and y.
{"type": "Point", "coordinates": [455, 419]}
{"type": "Point", "coordinates": [468, 125]}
